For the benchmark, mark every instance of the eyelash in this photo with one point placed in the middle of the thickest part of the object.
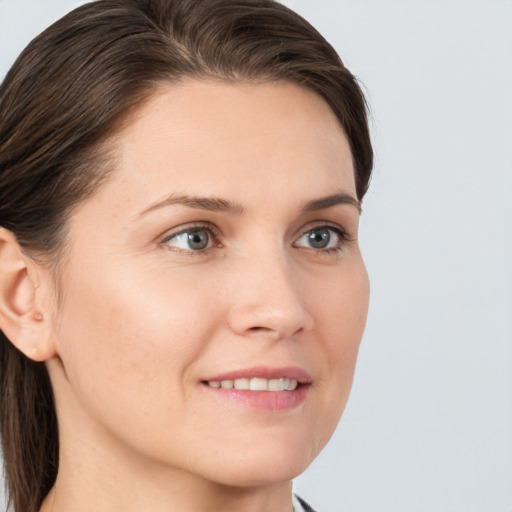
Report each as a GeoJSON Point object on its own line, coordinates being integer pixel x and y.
{"type": "Point", "coordinates": [215, 234]}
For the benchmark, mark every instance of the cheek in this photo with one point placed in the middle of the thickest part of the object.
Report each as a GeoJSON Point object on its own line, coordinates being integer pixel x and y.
{"type": "Point", "coordinates": [134, 333]}
{"type": "Point", "coordinates": [341, 316]}
{"type": "Point", "coordinates": [340, 308]}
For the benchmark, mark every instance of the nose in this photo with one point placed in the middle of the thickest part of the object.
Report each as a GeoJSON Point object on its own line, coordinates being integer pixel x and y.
{"type": "Point", "coordinates": [267, 300]}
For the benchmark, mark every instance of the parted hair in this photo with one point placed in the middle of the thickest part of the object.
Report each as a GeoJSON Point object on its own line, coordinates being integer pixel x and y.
{"type": "Point", "coordinates": [70, 91]}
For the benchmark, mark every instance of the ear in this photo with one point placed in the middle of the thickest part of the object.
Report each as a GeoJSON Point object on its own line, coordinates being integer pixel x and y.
{"type": "Point", "coordinates": [24, 317]}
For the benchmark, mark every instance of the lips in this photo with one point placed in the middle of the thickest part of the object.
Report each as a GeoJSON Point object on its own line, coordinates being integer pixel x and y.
{"type": "Point", "coordinates": [262, 387]}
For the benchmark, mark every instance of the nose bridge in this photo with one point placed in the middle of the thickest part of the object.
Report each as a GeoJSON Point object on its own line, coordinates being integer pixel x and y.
{"type": "Point", "coordinates": [268, 299]}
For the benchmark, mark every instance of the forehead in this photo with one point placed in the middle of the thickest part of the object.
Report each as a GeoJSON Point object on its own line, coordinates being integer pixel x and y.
{"type": "Point", "coordinates": [232, 139]}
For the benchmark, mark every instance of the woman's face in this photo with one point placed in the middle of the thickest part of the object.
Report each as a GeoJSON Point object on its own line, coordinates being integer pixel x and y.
{"type": "Point", "coordinates": [223, 248]}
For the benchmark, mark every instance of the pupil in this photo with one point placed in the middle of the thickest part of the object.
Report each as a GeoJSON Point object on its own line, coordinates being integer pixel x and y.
{"type": "Point", "coordinates": [319, 238]}
{"type": "Point", "coordinates": [198, 239]}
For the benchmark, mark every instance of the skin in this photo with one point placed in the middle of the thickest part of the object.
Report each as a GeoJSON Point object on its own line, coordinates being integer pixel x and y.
{"type": "Point", "coordinates": [143, 319]}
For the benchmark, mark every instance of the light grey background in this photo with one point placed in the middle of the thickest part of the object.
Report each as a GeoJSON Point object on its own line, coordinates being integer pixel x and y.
{"type": "Point", "coordinates": [429, 425]}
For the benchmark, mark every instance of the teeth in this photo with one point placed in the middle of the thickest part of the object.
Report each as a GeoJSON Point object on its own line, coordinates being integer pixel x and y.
{"type": "Point", "coordinates": [242, 384]}
{"type": "Point", "coordinates": [256, 384]}
{"type": "Point", "coordinates": [292, 385]}
{"type": "Point", "coordinates": [275, 385]}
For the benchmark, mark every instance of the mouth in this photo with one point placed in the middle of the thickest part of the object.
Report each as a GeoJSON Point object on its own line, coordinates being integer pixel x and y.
{"type": "Point", "coordinates": [262, 388]}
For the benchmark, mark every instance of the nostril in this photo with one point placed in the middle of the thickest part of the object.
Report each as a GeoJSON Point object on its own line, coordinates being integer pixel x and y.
{"type": "Point", "coordinates": [263, 330]}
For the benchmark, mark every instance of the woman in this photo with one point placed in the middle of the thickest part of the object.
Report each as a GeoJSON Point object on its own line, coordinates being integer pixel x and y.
{"type": "Point", "coordinates": [182, 291]}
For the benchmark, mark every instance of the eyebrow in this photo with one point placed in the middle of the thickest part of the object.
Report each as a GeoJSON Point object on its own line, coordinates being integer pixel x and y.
{"type": "Point", "coordinates": [215, 204]}
{"type": "Point", "coordinates": [212, 204]}
{"type": "Point", "coordinates": [330, 201]}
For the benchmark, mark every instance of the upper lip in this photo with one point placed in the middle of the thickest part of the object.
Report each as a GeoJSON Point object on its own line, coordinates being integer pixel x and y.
{"type": "Point", "coordinates": [265, 372]}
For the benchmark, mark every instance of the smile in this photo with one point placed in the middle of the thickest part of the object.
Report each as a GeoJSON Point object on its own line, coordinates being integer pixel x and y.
{"type": "Point", "coordinates": [255, 384]}
{"type": "Point", "coordinates": [261, 387]}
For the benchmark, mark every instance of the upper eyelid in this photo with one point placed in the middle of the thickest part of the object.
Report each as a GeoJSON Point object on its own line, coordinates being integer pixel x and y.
{"type": "Point", "coordinates": [170, 233]}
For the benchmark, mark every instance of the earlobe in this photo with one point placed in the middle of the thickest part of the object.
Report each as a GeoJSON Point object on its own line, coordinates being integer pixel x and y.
{"type": "Point", "coordinates": [22, 319]}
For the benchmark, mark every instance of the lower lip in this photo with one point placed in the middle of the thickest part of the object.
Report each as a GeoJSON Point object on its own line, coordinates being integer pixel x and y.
{"type": "Point", "coordinates": [266, 400]}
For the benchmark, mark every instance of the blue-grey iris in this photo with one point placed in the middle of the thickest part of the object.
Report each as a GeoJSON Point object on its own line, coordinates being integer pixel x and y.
{"type": "Point", "coordinates": [198, 239]}
{"type": "Point", "coordinates": [319, 238]}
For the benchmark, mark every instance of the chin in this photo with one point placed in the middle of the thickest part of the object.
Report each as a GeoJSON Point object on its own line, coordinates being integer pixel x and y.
{"type": "Point", "coordinates": [262, 475]}
{"type": "Point", "coordinates": [263, 465]}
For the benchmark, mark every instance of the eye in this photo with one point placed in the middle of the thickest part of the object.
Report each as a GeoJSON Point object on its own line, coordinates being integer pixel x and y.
{"type": "Point", "coordinates": [322, 238]}
{"type": "Point", "coordinates": [195, 239]}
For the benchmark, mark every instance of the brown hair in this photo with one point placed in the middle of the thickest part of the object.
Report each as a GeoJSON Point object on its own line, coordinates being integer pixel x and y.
{"type": "Point", "coordinates": [68, 92]}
